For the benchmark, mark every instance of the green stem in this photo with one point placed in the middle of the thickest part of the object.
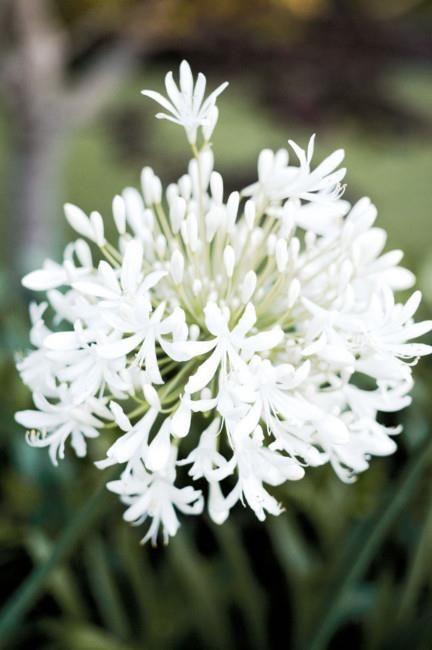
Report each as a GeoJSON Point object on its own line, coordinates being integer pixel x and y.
{"type": "Point", "coordinates": [359, 552]}
{"type": "Point", "coordinates": [103, 585]}
{"type": "Point", "coordinates": [27, 593]}
{"type": "Point", "coordinates": [111, 259]}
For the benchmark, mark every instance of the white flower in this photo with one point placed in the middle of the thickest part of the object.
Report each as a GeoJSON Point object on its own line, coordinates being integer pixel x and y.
{"type": "Point", "coordinates": [232, 327]}
{"type": "Point", "coordinates": [256, 465]}
{"type": "Point", "coordinates": [57, 422]}
{"type": "Point", "coordinates": [205, 459]}
{"type": "Point", "coordinates": [186, 104]}
{"type": "Point", "coordinates": [277, 180]}
{"type": "Point", "coordinates": [226, 345]}
{"type": "Point", "coordinates": [54, 275]}
{"type": "Point", "coordinates": [134, 441]}
{"type": "Point", "coordinates": [156, 496]}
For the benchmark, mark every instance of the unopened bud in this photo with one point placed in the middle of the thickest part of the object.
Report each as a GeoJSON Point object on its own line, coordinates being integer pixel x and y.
{"type": "Point", "coordinates": [151, 396]}
{"type": "Point", "coordinates": [248, 286]}
{"type": "Point", "coordinates": [209, 126]}
{"type": "Point", "coordinates": [194, 332]}
{"type": "Point", "coordinates": [213, 220]}
{"type": "Point", "coordinates": [265, 163]}
{"type": "Point", "coordinates": [229, 260]}
{"type": "Point", "coordinates": [147, 176]}
{"type": "Point", "coordinates": [196, 287]}
{"type": "Point", "coordinates": [250, 213]}
{"type": "Point", "coordinates": [232, 209]}
{"type": "Point", "coordinates": [281, 255]}
{"type": "Point", "coordinates": [293, 292]}
{"type": "Point", "coordinates": [177, 266]}
{"type": "Point", "coordinates": [177, 213]}
{"type": "Point", "coordinates": [216, 186]}
{"type": "Point", "coordinates": [185, 186]}
{"type": "Point", "coordinates": [271, 244]}
{"type": "Point", "coordinates": [119, 214]}
{"type": "Point", "coordinates": [98, 228]}
{"type": "Point", "coordinates": [161, 244]}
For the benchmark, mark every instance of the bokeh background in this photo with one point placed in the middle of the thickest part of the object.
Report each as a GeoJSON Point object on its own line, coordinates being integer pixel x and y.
{"type": "Point", "coordinates": [344, 566]}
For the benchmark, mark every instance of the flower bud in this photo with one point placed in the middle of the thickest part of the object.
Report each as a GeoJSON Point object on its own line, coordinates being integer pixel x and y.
{"type": "Point", "coordinates": [248, 286]}
{"type": "Point", "coordinates": [177, 266]}
{"type": "Point", "coordinates": [229, 260]}
{"type": "Point", "coordinates": [250, 213]}
{"type": "Point", "coordinates": [281, 252]}
{"type": "Point", "coordinates": [119, 214]}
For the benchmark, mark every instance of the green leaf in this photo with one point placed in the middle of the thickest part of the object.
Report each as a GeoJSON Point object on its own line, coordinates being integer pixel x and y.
{"type": "Point", "coordinates": [26, 595]}
{"type": "Point", "coordinates": [208, 613]}
{"type": "Point", "coordinates": [62, 582]}
{"type": "Point", "coordinates": [419, 570]}
{"type": "Point", "coordinates": [103, 585]}
{"type": "Point", "coordinates": [75, 635]}
{"type": "Point", "coordinates": [359, 550]}
{"type": "Point", "coordinates": [248, 592]}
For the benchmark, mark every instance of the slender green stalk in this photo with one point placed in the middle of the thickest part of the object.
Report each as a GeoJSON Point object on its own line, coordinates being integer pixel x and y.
{"type": "Point", "coordinates": [247, 591]}
{"type": "Point", "coordinates": [418, 569]}
{"type": "Point", "coordinates": [103, 584]}
{"type": "Point", "coordinates": [208, 613]}
{"type": "Point", "coordinates": [27, 593]}
{"type": "Point", "coordinates": [357, 555]}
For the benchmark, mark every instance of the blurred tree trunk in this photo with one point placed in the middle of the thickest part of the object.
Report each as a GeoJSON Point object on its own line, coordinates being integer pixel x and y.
{"type": "Point", "coordinates": [45, 109]}
{"type": "Point", "coordinates": [34, 189]}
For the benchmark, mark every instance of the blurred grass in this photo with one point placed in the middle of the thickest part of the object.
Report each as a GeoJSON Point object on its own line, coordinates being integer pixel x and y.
{"type": "Point", "coordinates": [240, 585]}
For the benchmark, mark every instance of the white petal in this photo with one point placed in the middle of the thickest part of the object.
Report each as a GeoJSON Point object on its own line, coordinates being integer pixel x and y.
{"type": "Point", "coordinates": [174, 94]}
{"type": "Point", "coordinates": [158, 451]}
{"type": "Point", "coordinates": [215, 320]}
{"type": "Point", "coordinates": [411, 306]}
{"type": "Point", "coordinates": [45, 279]}
{"type": "Point", "coordinates": [130, 443]}
{"type": "Point", "coordinates": [186, 350]}
{"type": "Point", "coordinates": [131, 266]}
{"type": "Point", "coordinates": [120, 348]}
{"type": "Point", "coordinates": [202, 405]}
{"type": "Point", "coordinates": [330, 163]}
{"type": "Point", "coordinates": [93, 289]}
{"type": "Point", "coordinates": [152, 279]}
{"type": "Point", "coordinates": [199, 90]}
{"type": "Point", "coordinates": [205, 373]}
{"type": "Point", "coordinates": [32, 419]}
{"type": "Point", "coordinates": [160, 99]}
{"type": "Point", "coordinates": [98, 228]}
{"type": "Point", "coordinates": [120, 417]}
{"type": "Point", "coordinates": [186, 79]}
{"type": "Point", "coordinates": [79, 221]}
{"type": "Point", "coordinates": [211, 99]}
{"type": "Point", "coordinates": [246, 322]}
{"type": "Point", "coordinates": [399, 278]}
{"type": "Point", "coordinates": [151, 396]}
{"type": "Point", "coordinates": [248, 424]}
{"type": "Point", "coordinates": [217, 506]}
{"type": "Point", "coordinates": [264, 340]}
{"type": "Point", "coordinates": [62, 341]}
{"type": "Point", "coordinates": [333, 429]}
{"type": "Point", "coordinates": [181, 421]}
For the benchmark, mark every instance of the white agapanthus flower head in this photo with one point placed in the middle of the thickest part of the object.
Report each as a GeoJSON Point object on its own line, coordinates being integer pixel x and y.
{"type": "Point", "coordinates": [215, 345]}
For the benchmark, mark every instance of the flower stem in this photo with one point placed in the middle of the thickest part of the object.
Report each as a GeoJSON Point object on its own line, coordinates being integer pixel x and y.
{"type": "Point", "coordinates": [27, 593]}
{"type": "Point", "coordinates": [363, 546]}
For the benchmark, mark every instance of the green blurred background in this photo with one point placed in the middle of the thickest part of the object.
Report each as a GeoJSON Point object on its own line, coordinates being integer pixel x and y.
{"type": "Point", "coordinates": [344, 566]}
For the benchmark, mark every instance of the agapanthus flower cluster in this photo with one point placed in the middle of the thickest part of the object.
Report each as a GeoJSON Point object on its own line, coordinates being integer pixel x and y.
{"type": "Point", "coordinates": [221, 344]}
